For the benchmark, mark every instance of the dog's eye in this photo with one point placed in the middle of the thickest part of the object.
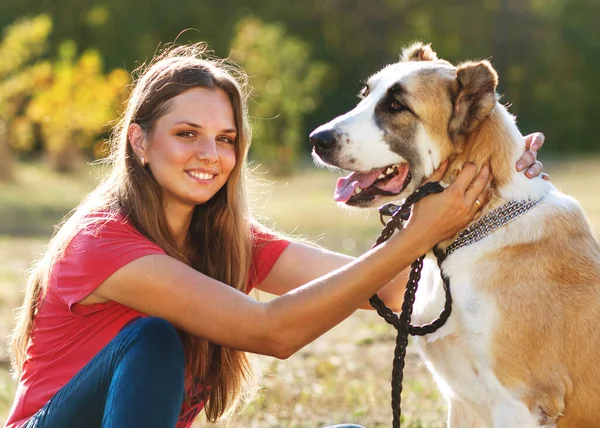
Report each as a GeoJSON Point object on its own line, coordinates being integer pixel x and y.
{"type": "Point", "coordinates": [397, 105]}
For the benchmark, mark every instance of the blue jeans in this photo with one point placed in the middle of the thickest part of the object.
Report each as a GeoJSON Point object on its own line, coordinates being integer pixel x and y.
{"type": "Point", "coordinates": [134, 381]}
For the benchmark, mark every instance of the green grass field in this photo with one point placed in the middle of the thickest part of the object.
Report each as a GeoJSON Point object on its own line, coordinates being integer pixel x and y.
{"type": "Point", "coordinates": [341, 377]}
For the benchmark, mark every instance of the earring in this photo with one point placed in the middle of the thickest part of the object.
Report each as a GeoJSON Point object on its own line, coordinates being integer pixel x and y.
{"type": "Point", "coordinates": [142, 161]}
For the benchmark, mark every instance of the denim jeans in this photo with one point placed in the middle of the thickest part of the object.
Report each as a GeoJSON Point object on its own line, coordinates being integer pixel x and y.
{"type": "Point", "coordinates": [135, 381]}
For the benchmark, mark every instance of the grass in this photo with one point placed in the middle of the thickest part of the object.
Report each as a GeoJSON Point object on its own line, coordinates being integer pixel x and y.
{"type": "Point", "coordinates": [341, 377]}
{"type": "Point", "coordinates": [38, 199]}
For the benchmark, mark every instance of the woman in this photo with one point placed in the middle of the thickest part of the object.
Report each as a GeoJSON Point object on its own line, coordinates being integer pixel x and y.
{"type": "Point", "coordinates": [138, 314]}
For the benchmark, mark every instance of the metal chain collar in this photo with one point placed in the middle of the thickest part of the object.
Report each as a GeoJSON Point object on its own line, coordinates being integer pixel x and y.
{"type": "Point", "coordinates": [492, 221]}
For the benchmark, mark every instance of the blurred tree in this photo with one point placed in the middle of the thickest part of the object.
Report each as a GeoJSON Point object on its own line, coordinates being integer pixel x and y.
{"type": "Point", "coordinates": [72, 111]}
{"type": "Point", "coordinates": [20, 73]}
{"type": "Point", "coordinates": [286, 84]}
{"type": "Point", "coordinates": [547, 51]}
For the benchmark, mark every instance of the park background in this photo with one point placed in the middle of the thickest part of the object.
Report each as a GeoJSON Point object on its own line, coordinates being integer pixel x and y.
{"type": "Point", "coordinates": [64, 68]}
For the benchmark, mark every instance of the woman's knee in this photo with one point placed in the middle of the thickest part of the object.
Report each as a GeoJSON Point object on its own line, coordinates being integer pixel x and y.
{"type": "Point", "coordinates": [159, 338]}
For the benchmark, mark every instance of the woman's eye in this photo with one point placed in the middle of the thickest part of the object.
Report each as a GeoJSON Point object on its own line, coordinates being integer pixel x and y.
{"type": "Point", "coordinates": [186, 134]}
{"type": "Point", "coordinates": [227, 140]}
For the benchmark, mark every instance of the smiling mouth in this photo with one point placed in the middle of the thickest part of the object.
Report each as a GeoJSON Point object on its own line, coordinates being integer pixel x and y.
{"type": "Point", "coordinates": [201, 175]}
{"type": "Point", "coordinates": [361, 189]}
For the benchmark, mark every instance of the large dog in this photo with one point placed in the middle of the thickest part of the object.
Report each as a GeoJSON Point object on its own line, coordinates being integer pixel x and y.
{"type": "Point", "coordinates": [522, 346]}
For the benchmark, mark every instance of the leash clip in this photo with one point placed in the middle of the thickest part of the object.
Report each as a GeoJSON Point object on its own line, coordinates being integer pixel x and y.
{"type": "Point", "coordinates": [393, 210]}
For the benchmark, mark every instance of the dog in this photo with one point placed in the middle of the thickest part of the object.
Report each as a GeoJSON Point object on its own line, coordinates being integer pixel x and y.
{"type": "Point", "coordinates": [522, 345]}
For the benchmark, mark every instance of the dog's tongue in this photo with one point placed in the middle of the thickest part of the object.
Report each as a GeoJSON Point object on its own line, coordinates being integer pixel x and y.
{"type": "Point", "coordinates": [345, 186]}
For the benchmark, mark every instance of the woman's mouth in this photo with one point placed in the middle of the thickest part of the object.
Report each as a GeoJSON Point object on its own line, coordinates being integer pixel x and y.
{"type": "Point", "coordinates": [201, 176]}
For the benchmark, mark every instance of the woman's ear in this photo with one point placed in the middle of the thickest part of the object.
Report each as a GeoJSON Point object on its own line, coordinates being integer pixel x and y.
{"type": "Point", "coordinates": [136, 137]}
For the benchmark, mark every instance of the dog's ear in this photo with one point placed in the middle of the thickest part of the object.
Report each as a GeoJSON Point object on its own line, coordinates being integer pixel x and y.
{"type": "Point", "coordinates": [475, 96]}
{"type": "Point", "coordinates": [418, 52]}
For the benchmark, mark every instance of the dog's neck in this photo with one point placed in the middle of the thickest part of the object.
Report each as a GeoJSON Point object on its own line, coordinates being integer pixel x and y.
{"type": "Point", "coordinates": [498, 142]}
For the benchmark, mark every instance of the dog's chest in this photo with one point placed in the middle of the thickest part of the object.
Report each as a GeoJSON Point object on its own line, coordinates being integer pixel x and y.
{"type": "Point", "coordinates": [459, 353]}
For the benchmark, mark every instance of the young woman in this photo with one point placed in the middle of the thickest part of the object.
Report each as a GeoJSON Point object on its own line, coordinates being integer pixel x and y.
{"type": "Point", "coordinates": [138, 314]}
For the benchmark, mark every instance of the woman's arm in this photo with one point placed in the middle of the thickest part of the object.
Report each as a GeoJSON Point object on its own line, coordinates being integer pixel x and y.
{"type": "Point", "coordinates": [162, 286]}
{"type": "Point", "coordinates": [159, 285]}
{"type": "Point", "coordinates": [301, 263]}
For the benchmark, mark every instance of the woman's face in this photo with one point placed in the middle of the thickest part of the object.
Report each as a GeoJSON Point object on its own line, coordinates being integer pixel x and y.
{"type": "Point", "coordinates": [191, 149]}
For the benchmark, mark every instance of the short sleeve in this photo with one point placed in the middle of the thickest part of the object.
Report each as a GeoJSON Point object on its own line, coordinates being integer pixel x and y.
{"type": "Point", "coordinates": [95, 253]}
{"type": "Point", "coordinates": [266, 249]}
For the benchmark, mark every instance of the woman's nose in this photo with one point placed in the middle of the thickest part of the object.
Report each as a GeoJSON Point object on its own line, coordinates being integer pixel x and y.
{"type": "Point", "coordinates": [207, 152]}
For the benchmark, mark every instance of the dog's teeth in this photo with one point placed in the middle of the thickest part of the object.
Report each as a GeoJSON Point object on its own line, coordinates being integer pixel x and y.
{"type": "Point", "coordinates": [357, 190]}
{"type": "Point", "coordinates": [389, 170]}
{"type": "Point", "coordinates": [381, 176]}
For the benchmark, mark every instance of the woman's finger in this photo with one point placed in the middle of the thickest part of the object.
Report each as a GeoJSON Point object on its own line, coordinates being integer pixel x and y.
{"type": "Point", "coordinates": [527, 160]}
{"type": "Point", "coordinates": [479, 203]}
{"type": "Point", "coordinates": [534, 170]}
{"type": "Point", "coordinates": [477, 186]}
{"type": "Point", "coordinates": [534, 141]}
{"type": "Point", "coordinates": [438, 174]}
{"type": "Point", "coordinates": [545, 176]}
{"type": "Point", "coordinates": [464, 177]}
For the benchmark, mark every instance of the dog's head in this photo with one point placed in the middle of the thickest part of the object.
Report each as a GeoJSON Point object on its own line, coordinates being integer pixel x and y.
{"type": "Point", "coordinates": [412, 116]}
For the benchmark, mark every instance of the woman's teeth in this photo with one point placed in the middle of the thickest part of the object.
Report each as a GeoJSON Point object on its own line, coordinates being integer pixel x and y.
{"type": "Point", "coordinates": [201, 175]}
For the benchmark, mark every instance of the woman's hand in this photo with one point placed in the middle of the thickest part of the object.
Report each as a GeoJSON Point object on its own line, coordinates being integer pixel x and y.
{"type": "Point", "coordinates": [441, 216]}
{"type": "Point", "coordinates": [533, 142]}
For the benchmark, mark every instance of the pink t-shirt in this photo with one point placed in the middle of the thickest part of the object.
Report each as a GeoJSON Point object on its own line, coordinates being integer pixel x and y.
{"type": "Point", "coordinates": [67, 335]}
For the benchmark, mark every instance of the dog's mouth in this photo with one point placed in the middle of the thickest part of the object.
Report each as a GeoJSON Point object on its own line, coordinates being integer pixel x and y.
{"type": "Point", "coordinates": [361, 189]}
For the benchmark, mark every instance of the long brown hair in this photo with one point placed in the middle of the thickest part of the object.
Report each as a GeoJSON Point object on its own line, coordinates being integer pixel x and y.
{"type": "Point", "coordinates": [219, 235]}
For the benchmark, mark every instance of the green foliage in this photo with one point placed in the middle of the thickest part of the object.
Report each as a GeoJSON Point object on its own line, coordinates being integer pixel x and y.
{"type": "Point", "coordinates": [285, 81]}
{"type": "Point", "coordinates": [20, 71]}
{"type": "Point", "coordinates": [65, 102]}
{"type": "Point", "coordinates": [23, 41]}
{"type": "Point", "coordinates": [74, 108]}
{"type": "Point", "coordinates": [547, 52]}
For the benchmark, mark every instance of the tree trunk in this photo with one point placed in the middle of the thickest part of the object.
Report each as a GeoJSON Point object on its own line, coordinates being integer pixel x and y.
{"type": "Point", "coordinates": [7, 167]}
{"type": "Point", "coordinates": [68, 159]}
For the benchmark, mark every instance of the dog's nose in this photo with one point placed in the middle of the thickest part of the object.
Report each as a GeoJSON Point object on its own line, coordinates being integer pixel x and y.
{"type": "Point", "coordinates": [322, 140]}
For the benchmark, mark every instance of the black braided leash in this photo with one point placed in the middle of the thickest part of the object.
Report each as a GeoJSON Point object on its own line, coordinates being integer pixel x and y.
{"type": "Point", "coordinates": [400, 214]}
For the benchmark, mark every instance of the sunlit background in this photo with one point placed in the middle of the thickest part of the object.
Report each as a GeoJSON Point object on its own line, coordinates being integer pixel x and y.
{"type": "Point", "coordinates": [64, 72]}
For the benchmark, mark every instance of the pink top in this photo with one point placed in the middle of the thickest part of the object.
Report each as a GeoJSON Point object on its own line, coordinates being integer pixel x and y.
{"type": "Point", "coordinates": [66, 335]}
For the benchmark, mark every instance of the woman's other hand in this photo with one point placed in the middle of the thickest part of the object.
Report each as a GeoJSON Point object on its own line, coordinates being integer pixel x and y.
{"type": "Point", "coordinates": [533, 142]}
{"type": "Point", "coordinates": [441, 216]}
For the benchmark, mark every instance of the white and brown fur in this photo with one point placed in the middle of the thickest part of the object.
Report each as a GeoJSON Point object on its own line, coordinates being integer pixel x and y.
{"type": "Point", "coordinates": [522, 346]}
